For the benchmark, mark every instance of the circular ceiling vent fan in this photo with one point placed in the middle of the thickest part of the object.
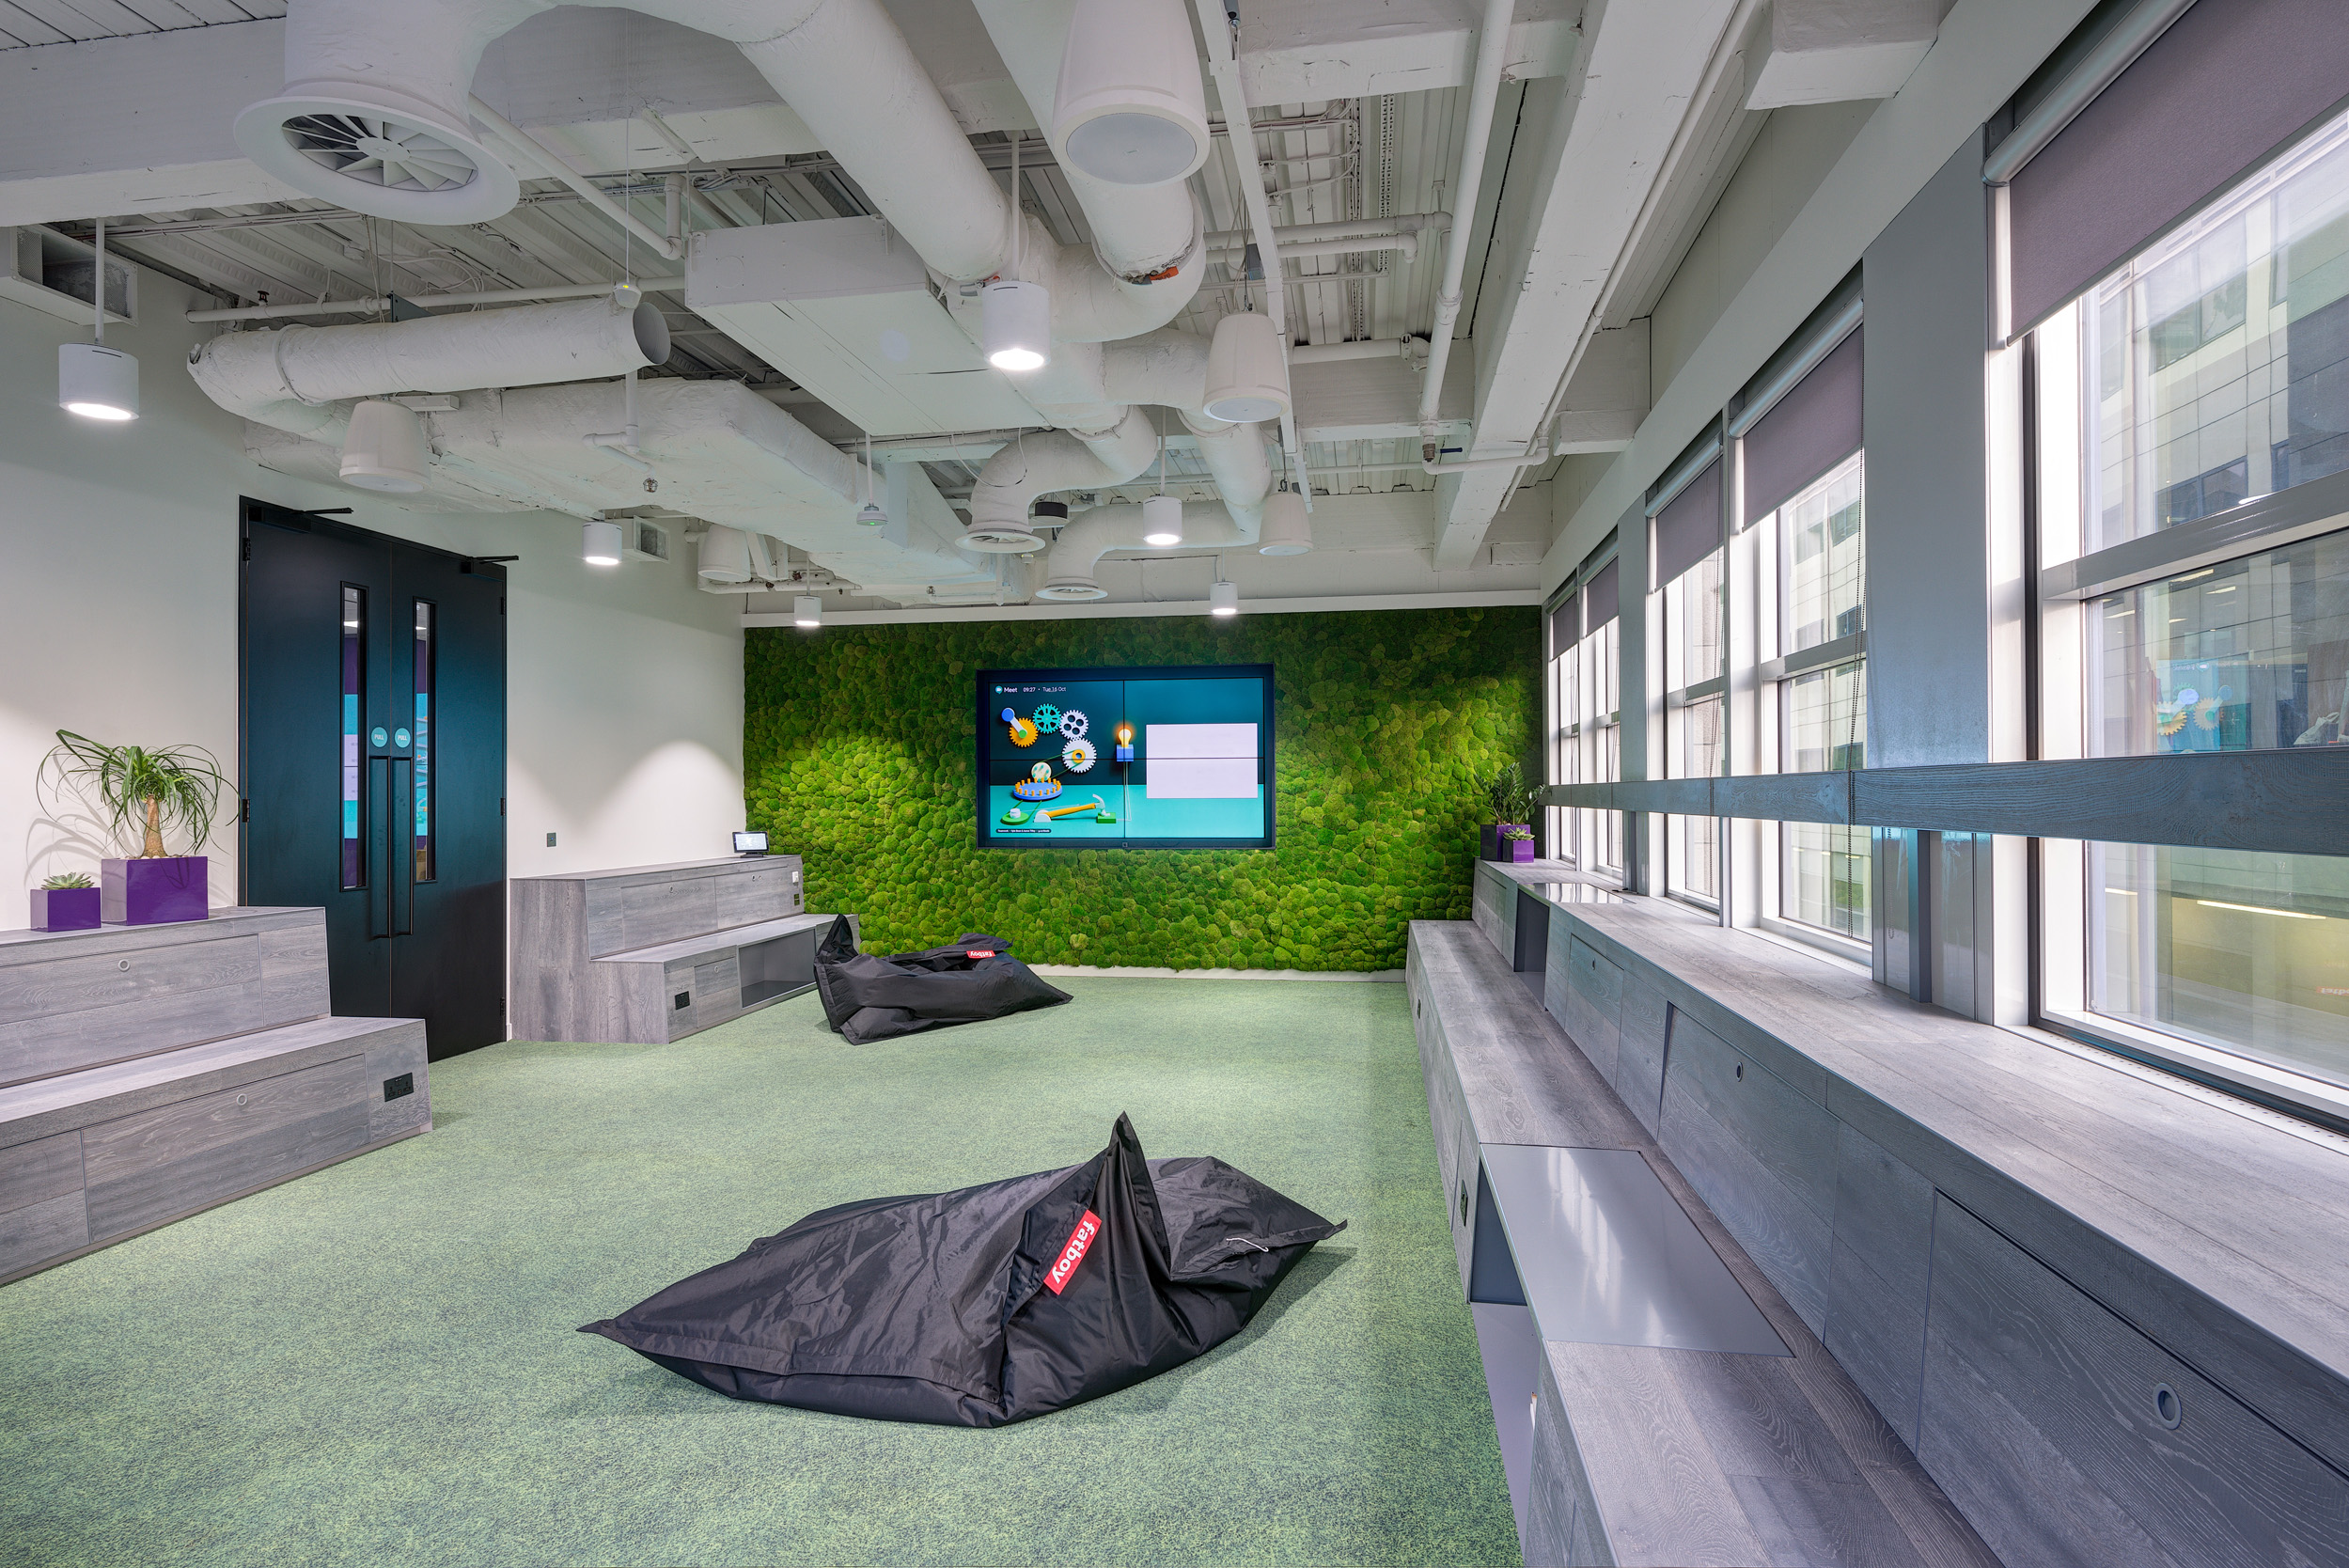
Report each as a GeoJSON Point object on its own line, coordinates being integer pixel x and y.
{"type": "Point", "coordinates": [1072, 591]}
{"type": "Point", "coordinates": [1001, 538]}
{"type": "Point", "coordinates": [381, 162]}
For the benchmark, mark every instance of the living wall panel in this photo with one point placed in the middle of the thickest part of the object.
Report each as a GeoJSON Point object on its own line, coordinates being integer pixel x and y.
{"type": "Point", "coordinates": [858, 742]}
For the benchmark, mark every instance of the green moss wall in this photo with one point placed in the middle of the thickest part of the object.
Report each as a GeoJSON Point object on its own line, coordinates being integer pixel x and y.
{"type": "Point", "coordinates": [857, 754]}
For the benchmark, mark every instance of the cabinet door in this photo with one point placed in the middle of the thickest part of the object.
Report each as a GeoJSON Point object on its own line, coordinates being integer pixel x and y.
{"type": "Point", "coordinates": [142, 1170]}
{"type": "Point", "coordinates": [1594, 1003]}
{"type": "Point", "coordinates": [2068, 1437]}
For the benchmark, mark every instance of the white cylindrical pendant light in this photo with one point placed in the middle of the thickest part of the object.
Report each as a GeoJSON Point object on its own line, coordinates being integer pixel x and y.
{"type": "Point", "coordinates": [600, 543]}
{"type": "Point", "coordinates": [1223, 599]}
{"type": "Point", "coordinates": [1161, 519]}
{"type": "Point", "coordinates": [1287, 531]}
{"type": "Point", "coordinates": [1015, 323]}
{"type": "Point", "coordinates": [1247, 377]}
{"type": "Point", "coordinates": [725, 555]}
{"type": "Point", "coordinates": [1130, 108]}
{"type": "Point", "coordinates": [806, 610]}
{"type": "Point", "coordinates": [383, 448]}
{"type": "Point", "coordinates": [97, 382]}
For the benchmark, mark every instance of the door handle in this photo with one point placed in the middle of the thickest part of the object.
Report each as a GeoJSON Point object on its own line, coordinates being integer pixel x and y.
{"type": "Point", "coordinates": [378, 845]}
{"type": "Point", "coordinates": [401, 850]}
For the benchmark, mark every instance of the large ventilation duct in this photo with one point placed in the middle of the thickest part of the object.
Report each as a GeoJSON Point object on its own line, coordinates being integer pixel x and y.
{"type": "Point", "coordinates": [1071, 568]}
{"type": "Point", "coordinates": [291, 379]}
{"type": "Point", "coordinates": [362, 73]}
{"type": "Point", "coordinates": [717, 451]}
{"type": "Point", "coordinates": [1058, 460]}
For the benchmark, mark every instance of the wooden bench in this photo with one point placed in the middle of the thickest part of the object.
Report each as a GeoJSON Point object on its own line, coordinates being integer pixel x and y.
{"type": "Point", "coordinates": [150, 1072]}
{"type": "Point", "coordinates": [1685, 1414]}
{"type": "Point", "coordinates": [650, 954]}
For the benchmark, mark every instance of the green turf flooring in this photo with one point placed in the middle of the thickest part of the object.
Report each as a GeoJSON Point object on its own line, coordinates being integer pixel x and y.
{"type": "Point", "coordinates": [376, 1364]}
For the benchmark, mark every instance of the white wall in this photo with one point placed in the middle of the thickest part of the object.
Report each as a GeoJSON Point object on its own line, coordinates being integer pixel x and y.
{"type": "Point", "coordinates": [118, 581]}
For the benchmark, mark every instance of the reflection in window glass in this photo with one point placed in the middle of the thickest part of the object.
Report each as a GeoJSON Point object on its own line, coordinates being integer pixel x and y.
{"type": "Point", "coordinates": [2247, 654]}
{"type": "Point", "coordinates": [2220, 354]}
{"type": "Point", "coordinates": [423, 764]}
{"type": "Point", "coordinates": [1823, 552]}
{"type": "Point", "coordinates": [2247, 952]}
{"type": "Point", "coordinates": [353, 630]}
{"type": "Point", "coordinates": [1824, 875]}
{"type": "Point", "coordinates": [1694, 639]}
{"type": "Point", "coordinates": [1694, 853]}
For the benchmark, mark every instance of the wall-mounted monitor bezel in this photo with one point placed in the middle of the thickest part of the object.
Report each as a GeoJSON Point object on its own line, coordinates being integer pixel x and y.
{"type": "Point", "coordinates": [984, 710]}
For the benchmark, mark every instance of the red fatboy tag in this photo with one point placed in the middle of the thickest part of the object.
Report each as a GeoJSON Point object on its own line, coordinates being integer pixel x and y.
{"type": "Point", "coordinates": [1074, 1253]}
{"type": "Point", "coordinates": [978, 953]}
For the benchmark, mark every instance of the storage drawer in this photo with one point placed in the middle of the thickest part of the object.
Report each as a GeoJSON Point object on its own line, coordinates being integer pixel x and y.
{"type": "Point", "coordinates": [2068, 1437]}
{"type": "Point", "coordinates": [42, 1213]}
{"type": "Point", "coordinates": [1761, 1156]}
{"type": "Point", "coordinates": [1594, 1000]}
{"type": "Point", "coordinates": [154, 1166]}
{"type": "Point", "coordinates": [717, 994]}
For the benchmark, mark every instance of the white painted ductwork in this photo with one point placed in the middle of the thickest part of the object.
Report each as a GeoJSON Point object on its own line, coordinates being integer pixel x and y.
{"type": "Point", "coordinates": [1166, 369]}
{"type": "Point", "coordinates": [842, 66]}
{"type": "Point", "coordinates": [293, 378]}
{"type": "Point", "coordinates": [1070, 570]}
{"type": "Point", "coordinates": [717, 450]}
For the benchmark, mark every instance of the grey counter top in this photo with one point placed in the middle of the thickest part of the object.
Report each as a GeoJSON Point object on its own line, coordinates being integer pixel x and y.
{"type": "Point", "coordinates": [2193, 1215]}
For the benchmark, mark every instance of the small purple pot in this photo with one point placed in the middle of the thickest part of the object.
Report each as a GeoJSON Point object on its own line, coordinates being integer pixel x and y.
{"type": "Point", "coordinates": [65, 909]}
{"type": "Point", "coordinates": [1490, 845]}
{"type": "Point", "coordinates": [152, 892]}
{"type": "Point", "coordinates": [1520, 850]}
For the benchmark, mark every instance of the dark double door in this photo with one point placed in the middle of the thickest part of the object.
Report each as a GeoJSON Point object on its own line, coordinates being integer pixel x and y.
{"type": "Point", "coordinates": [373, 765]}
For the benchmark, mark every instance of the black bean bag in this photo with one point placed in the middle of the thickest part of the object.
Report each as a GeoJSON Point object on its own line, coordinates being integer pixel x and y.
{"type": "Point", "coordinates": [988, 1305]}
{"type": "Point", "coordinates": [868, 997]}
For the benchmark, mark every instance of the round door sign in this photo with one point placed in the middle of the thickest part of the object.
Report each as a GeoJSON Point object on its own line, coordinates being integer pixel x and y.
{"type": "Point", "coordinates": [400, 737]}
{"type": "Point", "coordinates": [378, 737]}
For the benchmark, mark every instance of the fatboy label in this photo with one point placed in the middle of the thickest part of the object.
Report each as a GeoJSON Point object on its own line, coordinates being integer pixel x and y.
{"type": "Point", "coordinates": [1074, 1253]}
{"type": "Point", "coordinates": [978, 953]}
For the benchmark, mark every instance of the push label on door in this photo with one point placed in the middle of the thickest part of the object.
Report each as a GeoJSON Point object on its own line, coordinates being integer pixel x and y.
{"type": "Point", "coordinates": [1073, 1253]}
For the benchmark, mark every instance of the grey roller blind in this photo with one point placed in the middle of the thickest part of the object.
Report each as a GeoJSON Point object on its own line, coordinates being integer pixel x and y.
{"type": "Point", "coordinates": [1815, 427]}
{"type": "Point", "coordinates": [1690, 529]}
{"type": "Point", "coordinates": [2212, 96]}
{"type": "Point", "coordinates": [1600, 594]}
{"type": "Point", "coordinates": [1566, 624]}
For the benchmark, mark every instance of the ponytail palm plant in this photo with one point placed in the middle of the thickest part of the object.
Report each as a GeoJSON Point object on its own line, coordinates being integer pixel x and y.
{"type": "Point", "coordinates": [176, 787]}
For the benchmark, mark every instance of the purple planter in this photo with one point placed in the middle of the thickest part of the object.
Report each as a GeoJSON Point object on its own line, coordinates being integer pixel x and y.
{"type": "Point", "coordinates": [1490, 845]}
{"type": "Point", "coordinates": [65, 909]}
{"type": "Point", "coordinates": [1520, 850]}
{"type": "Point", "coordinates": [152, 892]}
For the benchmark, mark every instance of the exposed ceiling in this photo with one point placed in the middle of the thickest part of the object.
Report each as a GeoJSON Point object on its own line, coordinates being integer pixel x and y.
{"type": "Point", "coordinates": [1596, 177]}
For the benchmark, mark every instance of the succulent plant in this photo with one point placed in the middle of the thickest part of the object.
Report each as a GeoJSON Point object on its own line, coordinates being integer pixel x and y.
{"type": "Point", "coordinates": [67, 879]}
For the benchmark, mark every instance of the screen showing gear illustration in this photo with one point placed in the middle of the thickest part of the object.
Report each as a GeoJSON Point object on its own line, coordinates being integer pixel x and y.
{"type": "Point", "coordinates": [1174, 758]}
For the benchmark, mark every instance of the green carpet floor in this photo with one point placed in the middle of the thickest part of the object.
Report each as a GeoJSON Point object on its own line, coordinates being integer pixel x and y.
{"type": "Point", "coordinates": [376, 1364]}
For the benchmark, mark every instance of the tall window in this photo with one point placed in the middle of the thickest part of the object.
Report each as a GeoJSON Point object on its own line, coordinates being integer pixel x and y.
{"type": "Point", "coordinates": [1585, 686]}
{"type": "Point", "coordinates": [1689, 557]}
{"type": "Point", "coordinates": [1819, 537]}
{"type": "Point", "coordinates": [2210, 371]}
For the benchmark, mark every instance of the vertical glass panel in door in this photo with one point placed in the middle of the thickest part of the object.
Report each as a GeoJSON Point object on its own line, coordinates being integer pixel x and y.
{"type": "Point", "coordinates": [422, 766]}
{"type": "Point", "coordinates": [354, 700]}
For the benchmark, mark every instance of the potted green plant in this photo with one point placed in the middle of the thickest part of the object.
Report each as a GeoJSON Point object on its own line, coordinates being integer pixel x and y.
{"type": "Point", "coordinates": [172, 789]}
{"type": "Point", "coordinates": [66, 903]}
{"type": "Point", "coordinates": [1517, 843]}
{"type": "Point", "coordinates": [1510, 799]}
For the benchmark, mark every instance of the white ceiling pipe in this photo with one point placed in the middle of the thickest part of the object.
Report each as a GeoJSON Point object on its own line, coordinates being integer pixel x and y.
{"type": "Point", "coordinates": [530, 345]}
{"type": "Point", "coordinates": [1369, 347]}
{"type": "Point", "coordinates": [1353, 228]}
{"type": "Point", "coordinates": [536, 151]}
{"type": "Point", "coordinates": [1140, 229]}
{"type": "Point", "coordinates": [1061, 460]}
{"type": "Point", "coordinates": [1484, 85]}
{"type": "Point", "coordinates": [1069, 567]}
{"type": "Point", "coordinates": [1364, 245]}
{"type": "Point", "coordinates": [1238, 462]}
{"type": "Point", "coordinates": [480, 296]}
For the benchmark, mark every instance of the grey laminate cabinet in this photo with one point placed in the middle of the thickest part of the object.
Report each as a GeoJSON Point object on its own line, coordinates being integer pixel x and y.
{"type": "Point", "coordinates": [150, 1072]}
{"type": "Point", "coordinates": [648, 954]}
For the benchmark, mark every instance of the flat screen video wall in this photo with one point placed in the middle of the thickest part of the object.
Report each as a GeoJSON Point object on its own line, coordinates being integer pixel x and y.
{"type": "Point", "coordinates": [1173, 758]}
